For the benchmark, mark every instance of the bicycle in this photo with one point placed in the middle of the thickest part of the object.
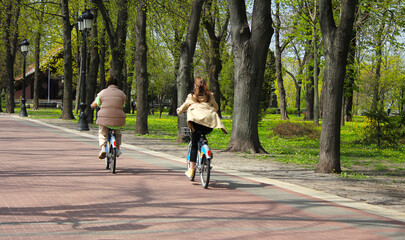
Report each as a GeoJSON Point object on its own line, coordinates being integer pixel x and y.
{"type": "Point", "coordinates": [111, 152]}
{"type": "Point", "coordinates": [204, 157]}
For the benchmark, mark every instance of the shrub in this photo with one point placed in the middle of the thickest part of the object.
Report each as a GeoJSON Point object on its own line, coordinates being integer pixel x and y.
{"type": "Point", "coordinates": [381, 129]}
{"type": "Point", "coordinates": [291, 130]}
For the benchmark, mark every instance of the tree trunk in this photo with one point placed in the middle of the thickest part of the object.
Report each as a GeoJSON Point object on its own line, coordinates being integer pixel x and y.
{"type": "Point", "coordinates": [117, 38]}
{"type": "Point", "coordinates": [214, 51]}
{"type": "Point", "coordinates": [36, 74]}
{"type": "Point", "coordinates": [279, 68]}
{"type": "Point", "coordinates": [37, 58]}
{"type": "Point", "coordinates": [10, 37]}
{"type": "Point", "coordinates": [350, 79]}
{"type": "Point", "coordinates": [316, 79]}
{"type": "Point", "coordinates": [67, 57]}
{"type": "Point", "coordinates": [142, 83]}
{"type": "Point", "coordinates": [176, 57]}
{"type": "Point", "coordinates": [336, 47]}
{"type": "Point", "coordinates": [250, 53]}
{"type": "Point", "coordinates": [309, 101]}
{"type": "Point", "coordinates": [94, 61]}
{"type": "Point", "coordinates": [377, 76]}
{"type": "Point", "coordinates": [103, 49]}
{"type": "Point", "coordinates": [127, 90]}
{"type": "Point", "coordinates": [187, 49]}
{"type": "Point", "coordinates": [78, 72]}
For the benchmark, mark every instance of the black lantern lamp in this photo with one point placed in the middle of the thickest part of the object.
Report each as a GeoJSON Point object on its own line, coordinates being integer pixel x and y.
{"type": "Point", "coordinates": [24, 50]}
{"type": "Point", "coordinates": [85, 22]}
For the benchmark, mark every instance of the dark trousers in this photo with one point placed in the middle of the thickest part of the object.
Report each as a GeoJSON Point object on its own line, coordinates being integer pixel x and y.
{"type": "Point", "coordinates": [195, 136]}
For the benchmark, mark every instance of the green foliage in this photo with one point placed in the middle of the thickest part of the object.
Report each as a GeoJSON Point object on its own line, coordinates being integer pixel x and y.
{"type": "Point", "coordinates": [226, 81]}
{"type": "Point", "coordinates": [380, 129]}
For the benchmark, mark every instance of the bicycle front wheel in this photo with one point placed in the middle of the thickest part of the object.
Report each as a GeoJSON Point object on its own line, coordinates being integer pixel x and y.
{"type": "Point", "coordinates": [205, 171]}
{"type": "Point", "coordinates": [113, 159]}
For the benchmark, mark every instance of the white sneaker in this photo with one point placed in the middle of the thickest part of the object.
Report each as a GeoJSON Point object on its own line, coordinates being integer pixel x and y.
{"type": "Point", "coordinates": [118, 152]}
{"type": "Point", "coordinates": [102, 153]}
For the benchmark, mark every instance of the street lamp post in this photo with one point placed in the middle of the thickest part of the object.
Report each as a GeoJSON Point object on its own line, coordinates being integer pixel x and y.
{"type": "Point", "coordinates": [24, 50]}
{"type": "Point", "coordinates": [84, 23]}
{"type": "Point", "coordinates": [299, 98]}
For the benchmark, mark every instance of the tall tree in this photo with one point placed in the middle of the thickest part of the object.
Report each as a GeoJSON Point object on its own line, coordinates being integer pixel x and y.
{"type": "Point", "coordinates": [117, 37]}
{"type": "Point", "coordinates": [10, 37]}
{"type": "Point", "coordinates": [313, 88]}
{"type": "Point", "coordinates": [187, 49]}
{"type": "Point", "coordinates": [336, 46]}
{"type": "Point", "coordinates": [67, 110]}
{"type": "Point", "coordinates": [279, 68]}
{"type": "Point", "coordinates": [250, 47]}
{"type": "Point", "coordinates": [351, 76]}
{"type": "Point", "coordinates": [103, 50]}
{"type": "Point", "coordinates": [141, 70]}
{"type": "Point", "coordinates": [216, 37]}
{"type": "Point", "coordinates": [91, 79]}
{"type": "Point", "coordinates": [38, 37]}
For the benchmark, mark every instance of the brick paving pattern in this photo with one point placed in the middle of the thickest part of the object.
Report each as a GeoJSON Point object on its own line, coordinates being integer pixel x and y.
{"type": "Point", "coordinates": [53, 186]}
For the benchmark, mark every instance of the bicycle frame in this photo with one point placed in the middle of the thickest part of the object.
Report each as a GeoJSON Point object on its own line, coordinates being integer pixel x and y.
{"type": "Point", "coordinates": [204, 149]}
{"type": "Point", "coordinates": [111, 140]}
{"type": "Point", "coordinates": [203, 160]}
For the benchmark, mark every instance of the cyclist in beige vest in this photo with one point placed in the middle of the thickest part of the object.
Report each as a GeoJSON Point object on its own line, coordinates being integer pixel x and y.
{"type": "Point", "coordinates": [111, 115]}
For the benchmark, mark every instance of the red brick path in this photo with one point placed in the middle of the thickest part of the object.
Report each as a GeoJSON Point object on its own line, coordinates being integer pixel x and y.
{"type": "Point", "coordinates": [53, 186]}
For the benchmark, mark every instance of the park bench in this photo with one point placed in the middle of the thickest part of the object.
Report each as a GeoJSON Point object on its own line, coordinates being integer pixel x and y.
{"type": "Point", "coordinates": [48, 104]}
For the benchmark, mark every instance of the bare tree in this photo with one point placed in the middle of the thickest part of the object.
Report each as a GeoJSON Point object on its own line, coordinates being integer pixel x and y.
{"type": "Point", "coordinates": [336, 40]}
{"type": "Point", "coordinates": [250, 47]}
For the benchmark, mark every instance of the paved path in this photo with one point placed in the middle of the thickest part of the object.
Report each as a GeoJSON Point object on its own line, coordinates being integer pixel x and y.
{"type": "Point", "coordinates": [53, 186]}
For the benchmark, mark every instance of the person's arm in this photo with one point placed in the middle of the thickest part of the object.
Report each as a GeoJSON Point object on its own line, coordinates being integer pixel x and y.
{"type": "Point", "coordinates": [185, 105]}
{"type": "Point", "coordinates": [96, 102]}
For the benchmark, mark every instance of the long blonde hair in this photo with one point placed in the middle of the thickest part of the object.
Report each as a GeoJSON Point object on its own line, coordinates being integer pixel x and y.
{"type": "Point", "coordinates": [201, 89]}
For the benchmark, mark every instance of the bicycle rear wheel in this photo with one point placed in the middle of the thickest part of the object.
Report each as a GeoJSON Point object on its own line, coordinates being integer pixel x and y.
{"type": "Point", "coordinates": [205, 171]}
{"type": "Point", "coordinates": [113, 159]}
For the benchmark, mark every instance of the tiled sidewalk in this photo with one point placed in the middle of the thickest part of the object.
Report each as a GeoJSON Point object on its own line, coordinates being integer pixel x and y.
{"type": "Point", "coordinates": [53, 186]}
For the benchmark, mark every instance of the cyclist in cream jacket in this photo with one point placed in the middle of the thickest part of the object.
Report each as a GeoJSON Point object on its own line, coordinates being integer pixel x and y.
{"type": "Point", "coordinates": [202, 117]}
{"type": "Point", "coordinates": [111, 115]}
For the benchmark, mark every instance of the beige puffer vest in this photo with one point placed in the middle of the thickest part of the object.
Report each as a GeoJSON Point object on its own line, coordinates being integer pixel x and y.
{"type": "Point", "coordinates": [111, 112]}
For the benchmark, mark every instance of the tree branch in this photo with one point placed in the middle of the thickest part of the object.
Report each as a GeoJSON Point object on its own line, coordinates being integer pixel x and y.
{"type": "Point", "coordinates": [107, 20]}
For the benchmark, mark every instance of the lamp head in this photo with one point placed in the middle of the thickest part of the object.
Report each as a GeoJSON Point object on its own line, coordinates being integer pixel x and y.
{"type": "Point", "coordinates": [80, 23]}
{"type": "Point", "coordinates": [87, 19]}
{"type": "Point", "coordinates": [24, 46]}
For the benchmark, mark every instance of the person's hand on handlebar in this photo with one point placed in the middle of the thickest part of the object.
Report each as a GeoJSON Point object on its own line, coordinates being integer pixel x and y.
{"type": "Point", "coordinates": [93, 105]}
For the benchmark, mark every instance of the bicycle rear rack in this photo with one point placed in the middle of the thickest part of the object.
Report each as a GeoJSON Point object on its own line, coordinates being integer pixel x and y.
{"type": "Point", "coordinates": [186, 131]}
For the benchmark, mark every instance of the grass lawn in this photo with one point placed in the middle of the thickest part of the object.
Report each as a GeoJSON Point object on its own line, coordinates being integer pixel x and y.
{"type": "Point", "coordinates": [302, 149]}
